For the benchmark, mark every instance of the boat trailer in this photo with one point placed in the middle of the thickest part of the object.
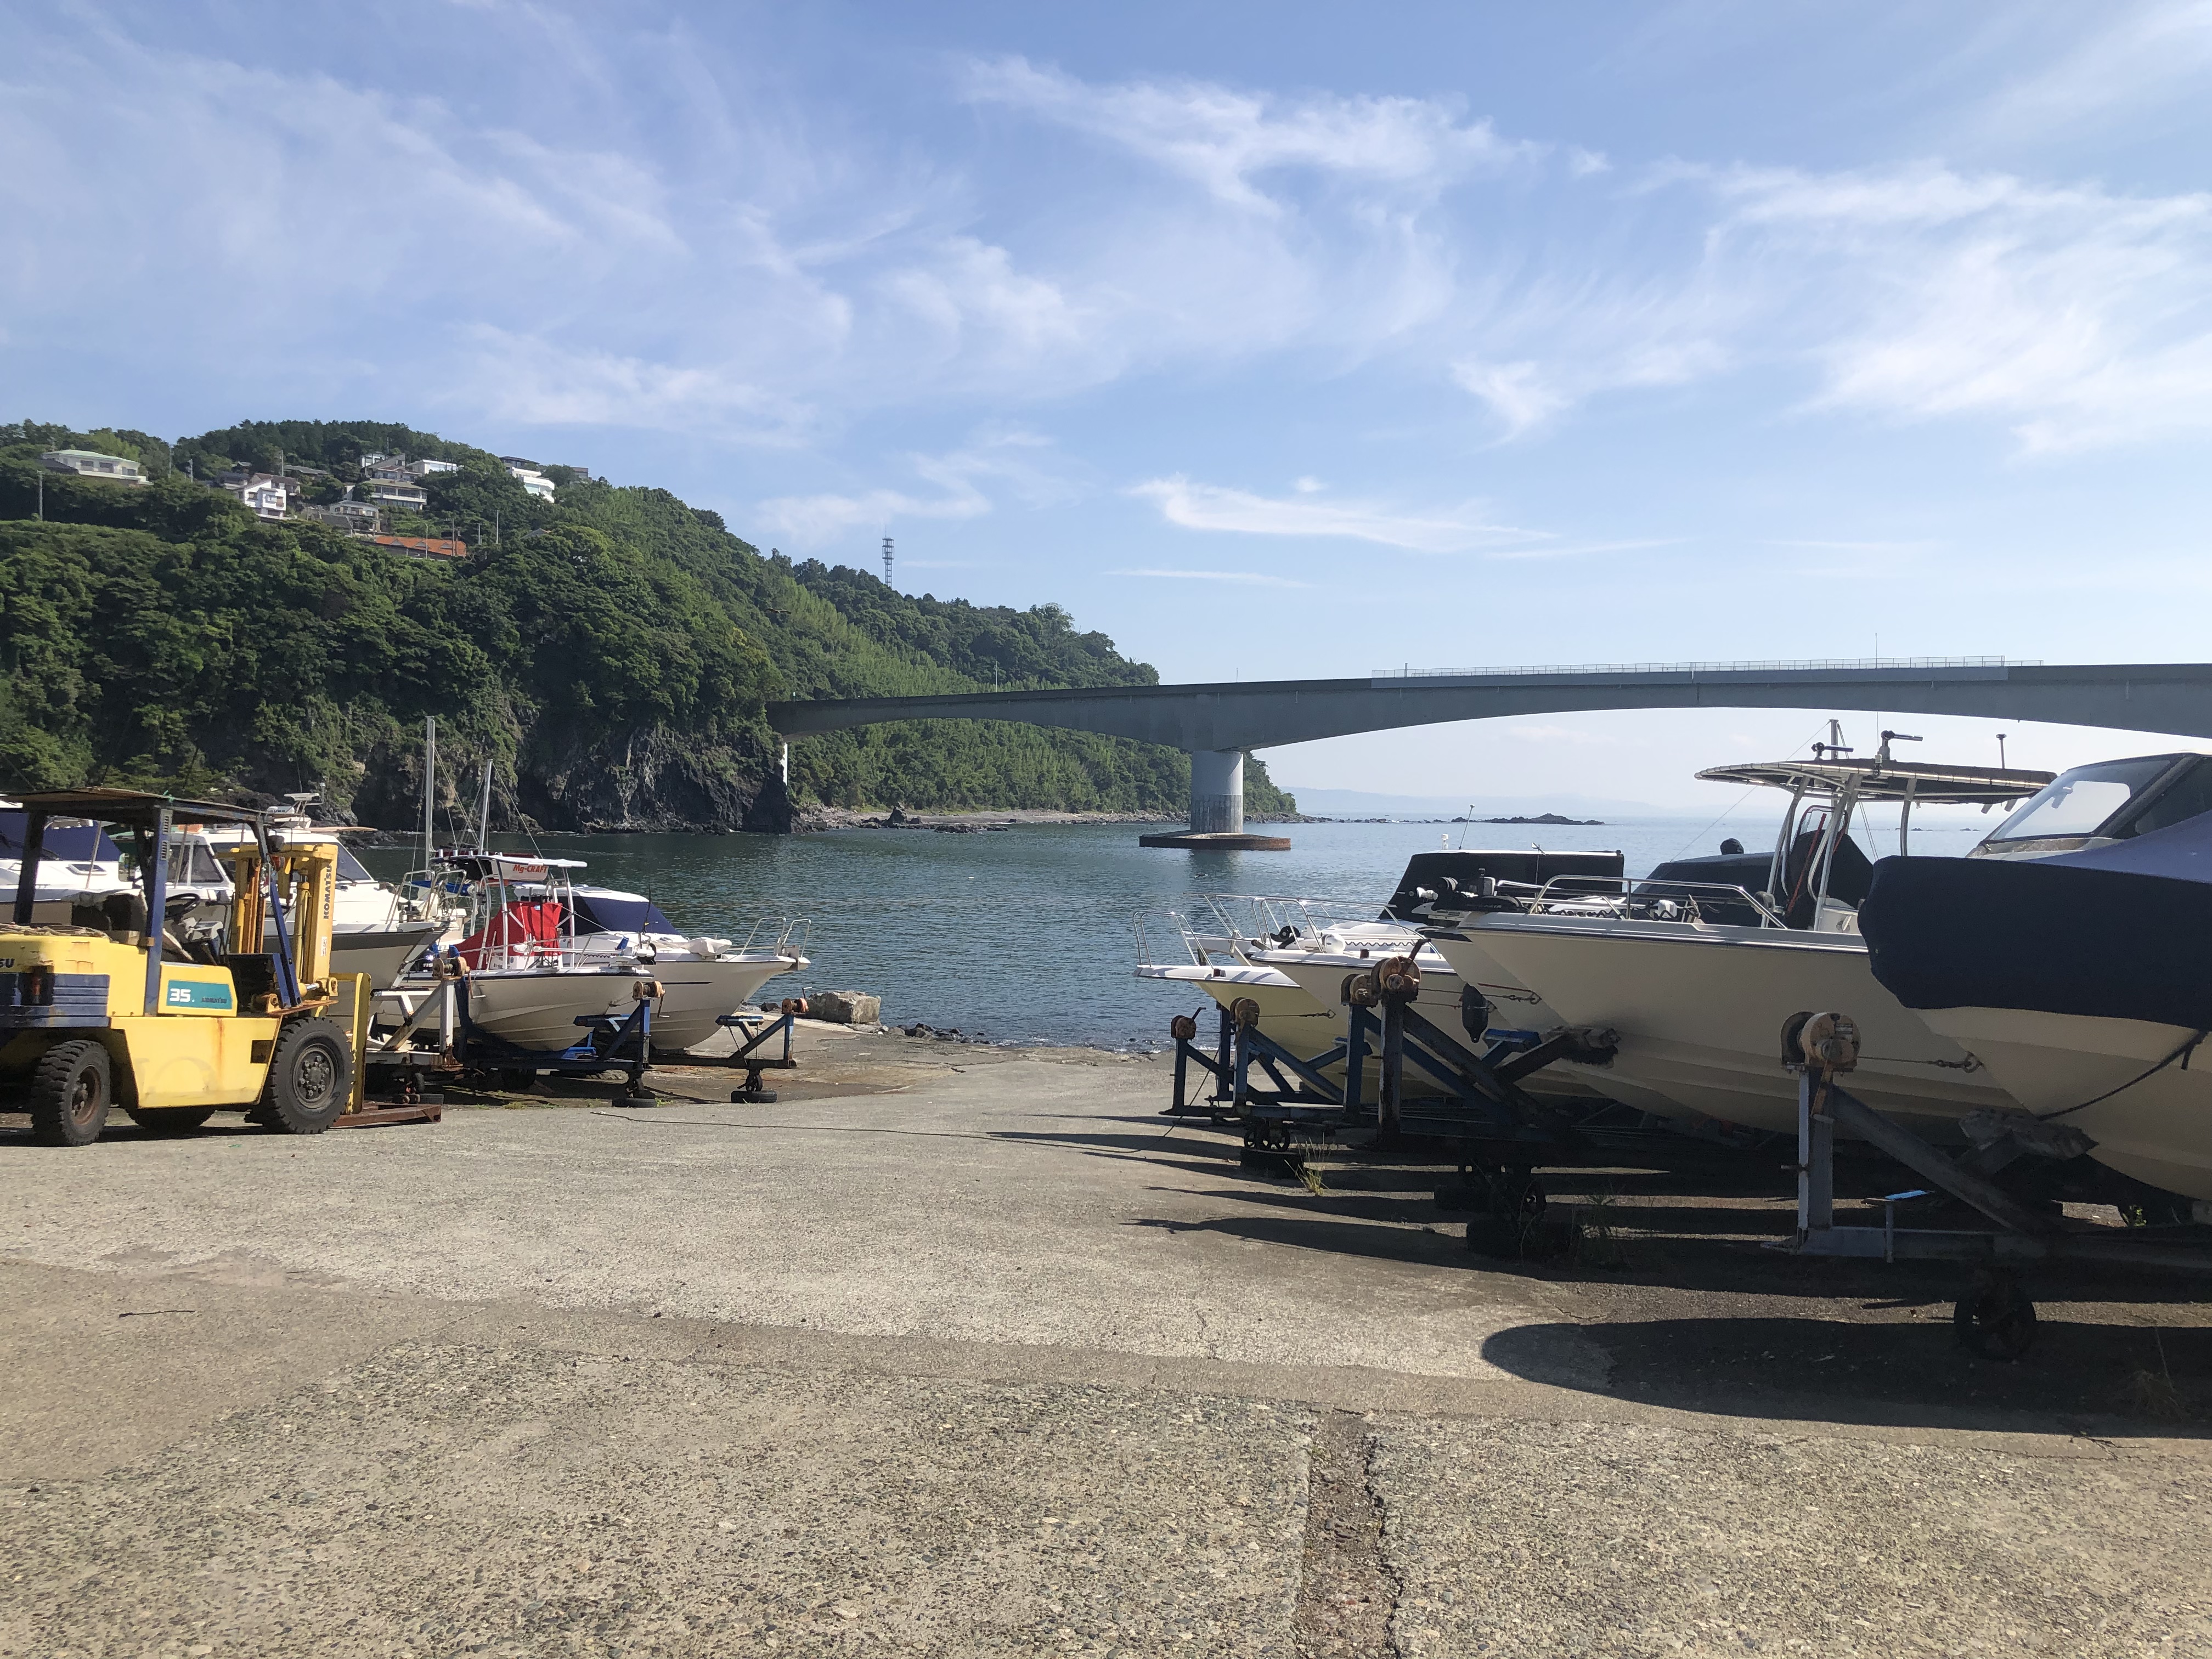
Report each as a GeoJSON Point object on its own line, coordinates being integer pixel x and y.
{"type": "Point", "coordinates": [769, 1025]}
{"type": "Point", "coordinates": [434, 1036]}
{"type": "Point", "coordinates": [1482, 1122]}
{"type": "Point", "coordinates": [1994, 1318]}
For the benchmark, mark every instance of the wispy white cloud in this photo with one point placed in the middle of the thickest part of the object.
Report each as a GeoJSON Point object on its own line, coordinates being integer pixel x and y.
{"type": "Point", "coordinates": [1516, 393]}
{"type": "Point", "coordinates": [2077, 316]}
{"type": "Point", "coordinates": [1248, 578]}
{"type": "Point", "coordinates": [1017, 461]}
{"type": "Point", "coordinates": [1212, 507]}
{"type": "Point", "coordinates": [1227, 141]}
{"type": "Point", "coordinates": [2132, 58]}
{"type": "Point", "coordinates": [771, 281]}
{"type": "Point", "coordinates": [2074, 315]}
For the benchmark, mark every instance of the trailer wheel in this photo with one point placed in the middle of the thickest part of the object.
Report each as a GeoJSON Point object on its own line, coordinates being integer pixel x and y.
{"type": "Point", "coordinates": [70, 1092]}
{"type": "Point", "coordinates": [169, 1120]}
{"type": "Point", "coordinates": [310, 1079]}
{"type": "Point", "coordinates": [1996, 1320]}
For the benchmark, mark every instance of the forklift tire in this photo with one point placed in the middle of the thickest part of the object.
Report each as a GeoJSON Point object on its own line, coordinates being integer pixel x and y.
{"type": "Point", "coordinates": [310, 1079]}
{"type": "Point", "coordinates": [169, 1120]}
{"type": "Point", "coordinates": [70, 1092]}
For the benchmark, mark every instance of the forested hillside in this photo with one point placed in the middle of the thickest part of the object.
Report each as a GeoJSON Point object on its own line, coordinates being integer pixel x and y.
{"type": "Point", "coordinates": [609, 650]}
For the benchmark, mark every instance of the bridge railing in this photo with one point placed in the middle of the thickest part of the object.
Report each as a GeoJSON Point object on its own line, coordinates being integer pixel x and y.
{"type": "Point", "coordinates": [1834, 665]}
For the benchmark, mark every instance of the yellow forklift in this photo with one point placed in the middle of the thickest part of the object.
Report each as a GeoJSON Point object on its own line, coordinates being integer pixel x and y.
{"type": "Point", "coordinates": [119, 1007]}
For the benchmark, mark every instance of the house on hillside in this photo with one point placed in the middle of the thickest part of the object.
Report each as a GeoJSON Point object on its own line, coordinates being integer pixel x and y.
{"type": "Point", "coordinates": [91, 464]}
{"type": "Point", "coordinates": [398, 492]}
{"type": "Point", "coordinates": [266, 494]}
{"type": "Point", "coordinates": [526, 474]}
{"type": "Point", "coordinates": [354, 518]}
{"type": "Point", "coordinates": [425, 468]}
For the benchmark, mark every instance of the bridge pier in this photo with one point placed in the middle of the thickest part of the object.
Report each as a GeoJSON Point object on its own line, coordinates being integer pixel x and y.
{"type": "Point", "coordinates": [1217, 791]}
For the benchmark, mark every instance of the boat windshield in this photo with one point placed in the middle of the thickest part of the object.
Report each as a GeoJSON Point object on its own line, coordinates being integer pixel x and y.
{"type": "Point", "coordinates": [349, 867]}
{"type": "Point", "coordinates": [2079, 802]}
{"type": "Point", "coordinates": [193, 864]}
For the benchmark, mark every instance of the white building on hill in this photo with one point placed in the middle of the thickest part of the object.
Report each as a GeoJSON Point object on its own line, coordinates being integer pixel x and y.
{"type": "Point", "coordinates": [526, 474]}
{"type": "Point", "coordinates": [354, 518]}
{"type": "Point", "coordinates": [91, 464]}
{"type": "Point", "coordinates": [390, 492]}
{"type": "Point", "coordinates": [265, 495]}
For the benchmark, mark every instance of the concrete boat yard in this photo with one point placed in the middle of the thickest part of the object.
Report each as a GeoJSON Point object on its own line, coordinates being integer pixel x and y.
{"type": "Point", "coordinates": [965, 1351]}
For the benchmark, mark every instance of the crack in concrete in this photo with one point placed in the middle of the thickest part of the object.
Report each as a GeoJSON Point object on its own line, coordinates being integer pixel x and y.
{"type": "Point", "coordinates": [1347, 1593]}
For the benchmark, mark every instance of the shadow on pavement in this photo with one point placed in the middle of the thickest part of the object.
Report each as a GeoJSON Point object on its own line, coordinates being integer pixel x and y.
{"type": "Point", "coordinates": [2152, 1381]}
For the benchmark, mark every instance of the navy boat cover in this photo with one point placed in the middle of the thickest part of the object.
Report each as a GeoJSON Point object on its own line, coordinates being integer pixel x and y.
{"type": "Point", "coordinates": [603, 912]}
{"type": "Point", "coordinates": [72, 843]}
{"type": "Point", "coordinates": [2122, 932]}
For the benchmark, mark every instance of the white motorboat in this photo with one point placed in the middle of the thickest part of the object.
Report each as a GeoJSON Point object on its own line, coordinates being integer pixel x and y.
{"type": "Point", "coordinates": [79, 866]}
{"type": "Point", "coordinates": [1321, 949]}
{"type": "Point", "coordinates": [702, 978]}
{"type": "Point", "coordinates": [1212, 951]}
{"type": "Point", "coordinates": [525, 984]}
{"type": "Point", "coordinates": [1290, 957]}
{"type": "Point", "coordinates": [1698, 966]}
{"type": "Point", "coordinates": [2081, 978]}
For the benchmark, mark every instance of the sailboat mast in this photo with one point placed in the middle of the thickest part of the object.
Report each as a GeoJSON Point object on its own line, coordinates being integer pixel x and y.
{"type": "Point", "coordinates": [429, 790]}
{"type": "Point", "coordinates": [484, 808]}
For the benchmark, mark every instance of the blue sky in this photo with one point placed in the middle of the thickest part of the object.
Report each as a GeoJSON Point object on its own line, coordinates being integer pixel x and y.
{"type": "Point", "coordinates": [1272, 340]}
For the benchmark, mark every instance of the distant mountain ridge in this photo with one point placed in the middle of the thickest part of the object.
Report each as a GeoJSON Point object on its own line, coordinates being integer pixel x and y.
{"type": "Point", "coordinates": [610, 650]}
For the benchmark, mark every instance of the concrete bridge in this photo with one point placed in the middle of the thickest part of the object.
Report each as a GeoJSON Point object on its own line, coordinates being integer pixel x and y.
{"type": "Point", "coordinates": [1218, 724]}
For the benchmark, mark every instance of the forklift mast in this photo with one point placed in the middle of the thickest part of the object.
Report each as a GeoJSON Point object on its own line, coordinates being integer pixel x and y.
{"type": "Point", "coordinates": [300, 879]}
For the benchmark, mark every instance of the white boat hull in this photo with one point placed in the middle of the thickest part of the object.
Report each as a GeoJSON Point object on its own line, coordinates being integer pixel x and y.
{"type": "Point", "coordinates": [1700, 1010]}
{"type": "Point", "coordinates": [2158, 1130]}
{"type": "Point", "coordinates": [1514, 1004]}
{"type": "Point", "coordinates": [539, 1008]}
{"type": "Point", "coordinates": [1321, 977]}
{"type": "Point", "coordinates": [1293, 1013]}
{"type": "Point", "coordinates": [1287, 1015]}
{"type": "Point", "coordinates": [383, 954]}
{"type": "Point", "coordinates": [699, 992]}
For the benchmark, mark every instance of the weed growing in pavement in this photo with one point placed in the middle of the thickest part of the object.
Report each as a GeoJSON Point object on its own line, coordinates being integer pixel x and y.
{"type": "Point", "coordinates": [2153, 1393]}
{"type": "Point", "coordinates": [1597, 1242]}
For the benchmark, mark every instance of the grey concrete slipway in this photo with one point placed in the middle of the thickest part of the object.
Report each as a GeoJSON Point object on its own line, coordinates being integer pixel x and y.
{"type": "Point", "coordinates": [953, 1352]}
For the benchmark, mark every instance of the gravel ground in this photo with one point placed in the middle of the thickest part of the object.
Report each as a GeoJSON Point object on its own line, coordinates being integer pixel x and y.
{"type": "Point", "coordinates": [960, 1351]}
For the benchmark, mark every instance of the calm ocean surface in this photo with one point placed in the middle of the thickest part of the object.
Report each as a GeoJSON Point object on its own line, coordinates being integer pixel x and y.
{"type": "Point", "coordinates": [1028, 936]}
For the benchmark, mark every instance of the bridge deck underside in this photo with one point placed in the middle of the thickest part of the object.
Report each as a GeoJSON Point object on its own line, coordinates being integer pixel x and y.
{"type": "Point", "coordinates": [2173, 698]}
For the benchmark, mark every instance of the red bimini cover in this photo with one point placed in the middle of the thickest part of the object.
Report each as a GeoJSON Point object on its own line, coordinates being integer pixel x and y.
{"type": "Point", "coordinates": [526, 928]}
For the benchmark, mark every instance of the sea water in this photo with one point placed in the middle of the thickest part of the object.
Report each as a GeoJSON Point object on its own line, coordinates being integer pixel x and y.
{"type": "Point", "coordinates": [1027, 934]}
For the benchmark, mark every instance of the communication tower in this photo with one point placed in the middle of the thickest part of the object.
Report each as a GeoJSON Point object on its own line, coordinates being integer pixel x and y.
{"type": "Point", "coordinates": [887, 561]}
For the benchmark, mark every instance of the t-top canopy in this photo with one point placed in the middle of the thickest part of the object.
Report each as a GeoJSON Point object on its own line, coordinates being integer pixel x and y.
{"type": "Point", "coordinates": [1874, 779]}
{"type": "Point", "coordinates": [504, 866]}
{"type": "Point", "coordinates": [132, 806]}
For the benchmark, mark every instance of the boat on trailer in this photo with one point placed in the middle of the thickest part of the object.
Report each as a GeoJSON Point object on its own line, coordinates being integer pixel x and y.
{"type": "Point", "coordinates": [1291, 955]}
{"type": "Point", "coordinates": [1323, 955]}
{"type": "Point", "coordinates": [1700, 966]}
{"type": "Point", "coordinates": [2081, 976]}
{"type": "Point", "coordinates": [525, 983]}
{"type": "Point", "coordinates": [702, 979]}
